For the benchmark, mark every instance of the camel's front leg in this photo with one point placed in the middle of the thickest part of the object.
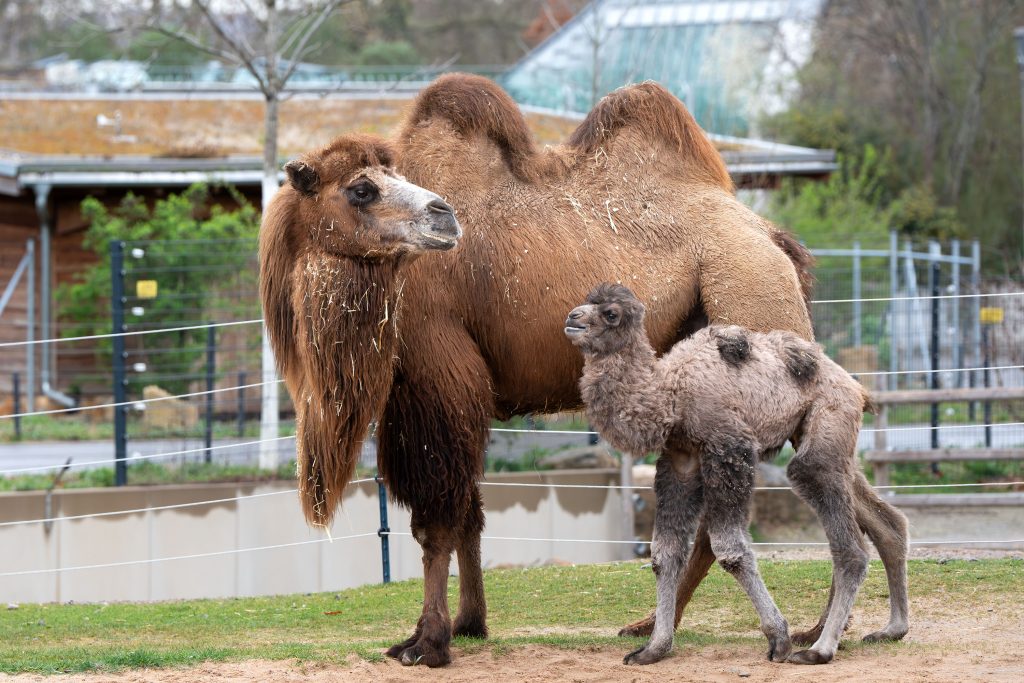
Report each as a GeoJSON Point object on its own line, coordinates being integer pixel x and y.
{"type": "Point", "coordinates": [674, 519]}
{"type": "Point", "coordinates": [429, 644]}
{"type": "Point", "coordinates": [700, 560]}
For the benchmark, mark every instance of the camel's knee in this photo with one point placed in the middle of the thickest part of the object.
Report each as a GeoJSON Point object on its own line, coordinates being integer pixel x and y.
{"type": "Point", "coordinates": [852, 562]}
{"type": "Point", "coordinates": [734, 555]}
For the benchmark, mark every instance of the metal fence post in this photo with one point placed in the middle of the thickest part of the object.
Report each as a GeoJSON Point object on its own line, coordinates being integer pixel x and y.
{"type": "Point", "coordinates": [30, 326]}
{"type": "Point", "coordinates": [987, 382]}
{"type": "Point", "coordinates": [211, 355]}
{"type": "Point", "coordinates": [894, 290]}
{"type": "Point", "coordinates": [955, 313]}
{"type": "Point", "coordinates": [117, 360]}
{"type": "Point", "coordinates": [935, 273]}
{"type": "Point", "coordinates": [384, 531]}
{"type": "Point", "coordinates": [856, 295]}
{"type": "Point", "coordinates": [16, 390]}
{"type": "Point", "coordinates": [975, 313]}
{"type": "Point", "coordinates": [241, 403]}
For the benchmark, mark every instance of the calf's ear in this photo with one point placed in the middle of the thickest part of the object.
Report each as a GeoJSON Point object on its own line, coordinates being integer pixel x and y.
{"type": "Point", "coordinates": [302, 176]}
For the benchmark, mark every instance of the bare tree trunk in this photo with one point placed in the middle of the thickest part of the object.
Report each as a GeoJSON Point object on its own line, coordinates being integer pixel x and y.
{"type": "Point", "coordinates": [270, 405]}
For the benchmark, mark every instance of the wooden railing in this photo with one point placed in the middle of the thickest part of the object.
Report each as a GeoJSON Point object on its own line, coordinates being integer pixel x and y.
{"type": "Point", "coordinates": [880, 457]}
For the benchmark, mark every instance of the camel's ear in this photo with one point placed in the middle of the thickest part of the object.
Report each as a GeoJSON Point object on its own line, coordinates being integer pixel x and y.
{"type": "Point", "coordinates": [303, 177]}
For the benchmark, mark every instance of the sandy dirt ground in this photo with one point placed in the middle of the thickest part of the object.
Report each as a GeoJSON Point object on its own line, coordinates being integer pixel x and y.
{"type": "Point", "coordinates": [948, 641]}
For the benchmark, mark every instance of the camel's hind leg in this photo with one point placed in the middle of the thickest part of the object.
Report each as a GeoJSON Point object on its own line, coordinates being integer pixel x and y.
{"type": "Point", "coordinates": [821, 475]}
{"type": "Point", "coordinates": [471, 619]}
{"type": "Point", "coordinates": [887, 528]}
{"type": "Point", "coordinates": [697, 565]}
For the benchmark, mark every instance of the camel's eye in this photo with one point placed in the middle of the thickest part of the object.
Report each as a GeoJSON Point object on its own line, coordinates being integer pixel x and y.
{"type": "Point", "coordinates": [611, 316]}
{"type": "Point", "coordinates": [361, 193]}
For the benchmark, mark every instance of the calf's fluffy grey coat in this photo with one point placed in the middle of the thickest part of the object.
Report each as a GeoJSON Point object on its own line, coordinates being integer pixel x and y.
{"type": "Point", "coordinates": [712, 406]}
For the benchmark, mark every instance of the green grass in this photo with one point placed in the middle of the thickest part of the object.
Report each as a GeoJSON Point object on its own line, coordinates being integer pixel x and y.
{"type": "Point", "coordinates": [566, 607]}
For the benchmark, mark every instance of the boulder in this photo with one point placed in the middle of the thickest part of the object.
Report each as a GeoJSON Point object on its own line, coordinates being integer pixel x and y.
{"type": "Point", "coordinates": [581, 458]}
{"type": "Point", "coordinates": [172, 413]}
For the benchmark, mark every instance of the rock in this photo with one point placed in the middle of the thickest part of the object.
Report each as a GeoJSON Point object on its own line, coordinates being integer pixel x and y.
{"type": "Point", "coordinates": [99, 415]}
{"type": "Point", "coordinates": [582, 458]}
{"type": "Point", "coordinates": [172, 413]}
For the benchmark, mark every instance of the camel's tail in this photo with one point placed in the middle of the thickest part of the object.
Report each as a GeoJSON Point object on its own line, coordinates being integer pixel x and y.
{"type": "Point", "coordinates": [658, 115]}
{"type": "Point", "coordinates": [802, 260]}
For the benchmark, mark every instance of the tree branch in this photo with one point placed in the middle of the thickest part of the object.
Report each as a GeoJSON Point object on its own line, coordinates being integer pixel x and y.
{"type": "Point", "coordinates": [307, 33]}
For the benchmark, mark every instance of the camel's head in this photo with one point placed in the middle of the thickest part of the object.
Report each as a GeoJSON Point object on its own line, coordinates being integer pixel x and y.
{"type": "Point", "coordinates": [349, 201]}
{"type": "Point", "coordinates": [607, 320]}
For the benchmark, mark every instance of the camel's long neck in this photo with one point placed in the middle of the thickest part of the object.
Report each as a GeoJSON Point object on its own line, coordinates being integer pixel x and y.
{"type": "Point", "coordinates": [624, 403]}
{"type": "Point", "coordinates": [346, 330]}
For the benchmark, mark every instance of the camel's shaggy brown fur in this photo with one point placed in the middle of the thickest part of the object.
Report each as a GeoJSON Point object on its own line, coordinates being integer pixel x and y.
{"type": "Point", "coordinates": [336, 296]}
{"type": "Point", "coordinates": [638, 194]}
{"type": "Point", "coordinates": [713, 406]}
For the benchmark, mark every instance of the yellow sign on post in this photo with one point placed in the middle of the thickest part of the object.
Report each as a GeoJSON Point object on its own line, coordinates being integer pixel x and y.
{"type": "Point", "coordinates": [145, 289]}
{"type": "Point", "coordinates": [991, 316]}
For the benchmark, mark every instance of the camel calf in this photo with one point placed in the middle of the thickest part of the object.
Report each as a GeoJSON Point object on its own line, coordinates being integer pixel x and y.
{"type": "Point", "coordinates": [714, 405]}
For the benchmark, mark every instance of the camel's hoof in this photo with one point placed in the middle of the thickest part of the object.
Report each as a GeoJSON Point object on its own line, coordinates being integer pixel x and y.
{"type": "Point", "coordinates": [779, 648]}
{"type": "Point", "coordinates": [885, 636]}
{"type": "Point", "coordinates": [643, 656]}
{"type": "Point", "coordinates": [420, 653]}
{"type": "Point", "coordinates": [396, 650]}
{"type": "Point", "coordinates": [809, 657]}
{"type": "Point", "coordinates": [474, 627]}
{"type": "Point", "coordinates": [808, 637]}
{"type": "Point", "coordinates": [638, 629]}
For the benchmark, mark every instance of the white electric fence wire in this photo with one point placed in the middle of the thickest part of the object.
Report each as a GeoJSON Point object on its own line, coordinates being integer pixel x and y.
{"type": "Point", "coordinates": [129, 333]}
{"type": "Point", "coordinates": [866, 430]}
{"type": "Point", "coordinates": [204, 326]}
{"type": "Point", "coordinates": [756, 543]}
{"type": "Point", "coordinates": [157, 508]}
{"type": "Point", "coordinates": [235, 551]}
{"type": "Point", "coordinates": [938, 371]}
{"type": "Point", "coordinates": [642, 487]}
{"type": "Point", "coordinates": [154, 560]}
{"type": "Point", "coordinates": [140, 400]}
{"type": "Point", "coordinates": [916, 298]}
{"type": "Point", "coordinates": [149, 456]}
{"type": "Point", "coordinates": [632, 487]}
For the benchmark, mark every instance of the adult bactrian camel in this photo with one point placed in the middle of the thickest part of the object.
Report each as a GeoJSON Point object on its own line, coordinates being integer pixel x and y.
{"type": "Point", "coordinates": [638, 195]}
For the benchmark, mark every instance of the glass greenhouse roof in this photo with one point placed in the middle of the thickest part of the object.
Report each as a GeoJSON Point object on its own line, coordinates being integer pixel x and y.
{"type": "Point", "coordinates": [723, 58]}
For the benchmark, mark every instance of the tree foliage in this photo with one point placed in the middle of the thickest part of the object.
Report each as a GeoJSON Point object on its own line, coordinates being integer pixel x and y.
{"type": "Point", "coordinates": [192, 248]}
{"type": "Point", "coordinates": [935, 85]}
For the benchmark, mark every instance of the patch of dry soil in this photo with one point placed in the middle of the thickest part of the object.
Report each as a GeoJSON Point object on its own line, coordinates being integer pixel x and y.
{"type": "Point", "coordinates": [946, 643]}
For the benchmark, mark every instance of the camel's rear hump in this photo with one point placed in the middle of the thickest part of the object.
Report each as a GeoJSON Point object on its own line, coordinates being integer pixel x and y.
{"type": "Point", "coordinates": [657, 115]}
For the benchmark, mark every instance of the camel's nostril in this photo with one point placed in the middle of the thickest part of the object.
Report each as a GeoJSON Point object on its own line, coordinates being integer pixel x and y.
{"type": "Point", "coordinates": [575, 315]}
{"type": "Point", "coordinates": [439, 206]}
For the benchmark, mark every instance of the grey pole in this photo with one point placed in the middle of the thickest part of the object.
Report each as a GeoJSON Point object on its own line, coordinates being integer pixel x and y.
{"type": "Point", "coordinates": [894, 291]}
{"type": "Point", "coordinates": [30, 326]}
{"type": "Point", "coordinates": [856, 295]}
{"type": "Point", "coordinates": [955, 323]}
{"type": "Point", "coordinates": [1018, 37]}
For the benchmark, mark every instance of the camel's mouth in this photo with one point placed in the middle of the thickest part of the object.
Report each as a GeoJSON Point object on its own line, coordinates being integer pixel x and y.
{"type": "Point", "coordinates": [438, 241]}
{"type": "Point", "coordinates": [573, 330]}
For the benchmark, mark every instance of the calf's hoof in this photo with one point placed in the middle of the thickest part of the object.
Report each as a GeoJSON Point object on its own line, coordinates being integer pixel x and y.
{"type": "Point", "coordinates": [809, 657]}
{"type": "Point", "coordinates": [886, 635]}
{"type": "Point", "coordinates": [808, 637]}
{"type": "Point", "coordinates": [638, 629]}
{"type": "Point", "coordinates": [779, 648]}
{"type": "Point", "coordinates": [644, 655]}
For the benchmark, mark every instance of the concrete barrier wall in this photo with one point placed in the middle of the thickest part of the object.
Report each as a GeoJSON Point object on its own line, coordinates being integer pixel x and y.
{"type": "Point", "coordinates": [318, 565]}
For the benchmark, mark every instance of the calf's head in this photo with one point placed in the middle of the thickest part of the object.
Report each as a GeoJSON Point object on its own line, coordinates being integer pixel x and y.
{"type": "Point", "coordinates": [607, 320]}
